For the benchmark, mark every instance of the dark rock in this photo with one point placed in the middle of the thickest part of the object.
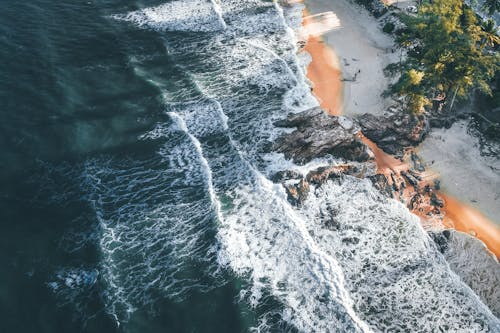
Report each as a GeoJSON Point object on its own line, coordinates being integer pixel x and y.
{"type": "Point", "coordinates": [380, 182]}
{"type": "Point", "coordinates": [415, 175]}
{"type": "Point", "coordinates": [350, 240]}
{"type": "Point", "coordinates": [437, 184]}
{"type": "Point", "coordinates": [395, 187]}
{"type": "Point", "coordinates": [396, 132]}
{"type": "Point", "coordinates": [375, 7]}
{"type": "Point", "coordinates": [410, 179]}
{"type": "Point", "coordinates": [320, 175]}
{"type": "Point", "coordinates": [318, 135]}
{"type": "Point", "coordinates": [441, 239]}
{"type": "Point", "coordinates": [445, 119]}
{"type": "Point", "coordinates": [297, 193]}
{"type": "Point", "coordinates": [435, 201]}
{"type": "Point", "coordinates": [417, 163]}
{"type": "Point", "coordinates": [442, 121]}
{"type": "Point", "coordinates": [415, 201]}
{"type": "Point", "coordinates": [285, 175]}
{"type": "Point", "coordinates": [329, 218]}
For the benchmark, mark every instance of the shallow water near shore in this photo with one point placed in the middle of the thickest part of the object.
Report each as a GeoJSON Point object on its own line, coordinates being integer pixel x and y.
{"type": "Point", "coordinates": [136, 197]}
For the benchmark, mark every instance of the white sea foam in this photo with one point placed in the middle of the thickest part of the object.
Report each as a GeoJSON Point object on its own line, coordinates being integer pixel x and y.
{"type": "Point", "coordinates": [470, 259]}
{"type": "Point", "coordinates": [186, 15]}
{"type": "Point", "coordinates": [202, 118]}
{"type": "Point", "coordinates": [154, 215]}
{"type": "Point", "coordinates": [349, 260]}
{"type": "Point", "coordinates": [277, 162]}
{"type": "Point", "coordinates": [393, 270]}
{"type": "Point", "coordinates": [206, 168]}
{"type": "Point", "coordinates": [263, 238]}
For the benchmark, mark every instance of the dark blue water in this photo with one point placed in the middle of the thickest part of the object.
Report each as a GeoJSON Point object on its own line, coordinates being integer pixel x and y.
{"type": "Point", "coordinates": [72, 102]}
{"type": "Point", "coordinates": [134, 186]}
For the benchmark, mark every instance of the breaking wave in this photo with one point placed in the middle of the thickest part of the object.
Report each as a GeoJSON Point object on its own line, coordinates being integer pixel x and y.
{"type": "Point", "coordinates": [200, 208]}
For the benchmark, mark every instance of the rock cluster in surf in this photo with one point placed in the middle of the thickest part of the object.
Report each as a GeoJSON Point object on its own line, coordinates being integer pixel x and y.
{"type": "Point", "coordinates": [317, 135]}
{"type": "Point", "coordinates": [395, 132]}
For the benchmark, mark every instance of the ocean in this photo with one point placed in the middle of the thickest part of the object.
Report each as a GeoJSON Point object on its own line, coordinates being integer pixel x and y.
{"type": "Point", "coordinates": [135, 192]}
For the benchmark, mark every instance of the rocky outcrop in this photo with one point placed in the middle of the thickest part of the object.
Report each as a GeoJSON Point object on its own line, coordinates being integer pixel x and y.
{"type": "Point", "coordinates": [284, 175]}
{"type": "Point", "coordinates": [297, 193]}
{"type": "Point", "coordinates": [322, 174]}
{"type": "Point", "coordinates": [381, 183]}
{"type": "Point", "coordinates": [396, 132]}
{"type": "Point", "coordinates": [317, 135]}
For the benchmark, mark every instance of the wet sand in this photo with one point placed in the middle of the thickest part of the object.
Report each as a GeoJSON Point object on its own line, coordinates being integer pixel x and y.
{"type": "Point", "coordinates": [469, 220]}
{"type": "Point", "coordinates": [324, 72]}
{"type": "Point", "coordinates": [362, 54]}
{"type": "Point", "coordinates": [326, 79]}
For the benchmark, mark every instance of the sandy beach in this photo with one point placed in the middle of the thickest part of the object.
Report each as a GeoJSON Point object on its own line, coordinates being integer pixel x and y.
{"type": "Point", "coordinates": [363, 53]}
{"type": "Point", "coordinates": [324, 72]}
{"type": "Point", "coordinates": [362, 50]}
{"type": "Point", "coordinates": [455, 155]}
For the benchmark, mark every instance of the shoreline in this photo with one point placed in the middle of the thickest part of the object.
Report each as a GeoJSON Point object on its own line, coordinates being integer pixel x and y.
{"type": "Point", "coordinates": [321, 71]}
{"type": "Point", "coordinates": [324, 71]}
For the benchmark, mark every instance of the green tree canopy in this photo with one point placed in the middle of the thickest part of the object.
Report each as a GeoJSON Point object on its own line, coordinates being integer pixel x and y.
{"type": "Point", "coordinates": [449, 50]}
{"type": "Point", "coordinates": [491, 6]}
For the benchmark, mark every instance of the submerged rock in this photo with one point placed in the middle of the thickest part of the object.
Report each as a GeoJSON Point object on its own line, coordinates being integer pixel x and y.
{"type": "Point", "coordinates": [285, 175]}
{"type": "Point", "coordinates": [297, 193]}
{"type": "Point", "coordinates": [441, 239]}
{"type": "Point", "coordinates": [396, 132]}
{"type": "Point", "coordinates": [381, 183]}
{"type": "Point", "coordinates": [318, 135]}
{"type": "Point", "coordinates": [322, 174]}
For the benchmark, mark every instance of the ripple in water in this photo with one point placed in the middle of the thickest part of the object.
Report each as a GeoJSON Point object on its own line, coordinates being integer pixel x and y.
{"type": "Point", "coordinates": [202, 208]}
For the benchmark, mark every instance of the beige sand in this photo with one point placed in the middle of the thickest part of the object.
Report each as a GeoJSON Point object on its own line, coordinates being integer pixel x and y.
{"type": "Point", "coordinates": [361, 37]}
{"type": "Point", "coordinates": [323, 70]}
{"type": "Point", "coordinates": [363, 52]}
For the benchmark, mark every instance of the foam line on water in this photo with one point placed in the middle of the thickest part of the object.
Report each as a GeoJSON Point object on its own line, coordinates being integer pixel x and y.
{"type": "Point", "coordinates": [177, 15]}
{"type": "Point", "coordinates": [322, 274]}
{"type": "Point", "coordinates": [218, 10]}
{"type": "Point", "coordinates": [206, 167]}
{"type": "Point", "coordinates": [390, 263]}
{"type": "Point", "coordinates": [267, 239]}
{"type": "Point", "coordinates": [274, 55]}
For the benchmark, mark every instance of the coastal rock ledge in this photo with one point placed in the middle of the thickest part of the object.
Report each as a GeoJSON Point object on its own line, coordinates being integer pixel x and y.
{"type": "Point", "coordinates": [396, 132]}
{"type": "Point", "coordinates": [318, 134]}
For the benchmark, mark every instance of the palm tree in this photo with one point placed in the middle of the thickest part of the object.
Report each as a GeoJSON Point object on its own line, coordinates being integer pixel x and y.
{"type": "Point", "coordinates": [490, 36]}
{"type": "Point", "coordinates": [491, 6]}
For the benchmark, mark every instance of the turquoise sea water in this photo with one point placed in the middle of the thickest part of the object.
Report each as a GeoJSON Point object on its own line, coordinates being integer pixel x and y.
{"type": "Point", "coordinates": [135, 193]}
{"type": "Point", "coordinates": [73, 106]}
